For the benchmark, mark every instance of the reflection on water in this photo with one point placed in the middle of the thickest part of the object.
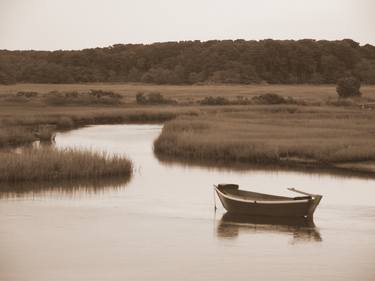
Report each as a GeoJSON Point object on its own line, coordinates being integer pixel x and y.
{"type": "Point", "coordinates": [68, 188]}
{"type": "Point", "coordinates": [246, 167]}
{"type": "Point", "coordinates": [301, 229]}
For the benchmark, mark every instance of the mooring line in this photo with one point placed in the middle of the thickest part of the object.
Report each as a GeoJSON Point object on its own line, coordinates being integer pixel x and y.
{"type": "Point", "coordinates": [215, 199]}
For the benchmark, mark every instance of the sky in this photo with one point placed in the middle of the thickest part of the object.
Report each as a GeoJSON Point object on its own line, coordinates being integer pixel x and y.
{"type": "Point", "coordinates": [79, 24]}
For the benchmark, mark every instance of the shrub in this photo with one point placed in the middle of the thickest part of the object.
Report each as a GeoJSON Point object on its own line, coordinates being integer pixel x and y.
{"type": "Point", "coordinates": [65, 122]}
{"type": "Point", "coordinates": [27, 94]}
{"type": "Point", "coordinates": [19, 97]}
{"type": "Point", "coordinates": [269, 98]}
{"type": "Point", "coordinates": [71, 95]}
{"type": "Point", "coordinates": [100, 94]}
{"type": "Point", "coordinates": [94, 97]}
{"type": "Point", "coordinates": [242, 101]}
{"type": "Point", "coordinates": [141, 98]}
{"type": "Point", "coordinates": [153, 98]}
{"type": "Point", "coordinates": [214, 101]}
{"type": "Point", "coordinates": [348, 87]}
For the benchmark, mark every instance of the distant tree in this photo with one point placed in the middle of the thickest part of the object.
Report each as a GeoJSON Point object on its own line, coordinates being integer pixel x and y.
{"type": "Point", "coordinates": [178, 74]}
{"type": "Point", "coordinates": [348, 87]}
{"type": "Point", "coordinates": [196, 77]}
{"type": "Point", "coordinates": [134, 75]}
{"type": "Point", "coordinates": [225, 76]}
{"type": "Point", "coordinates": [6, 79]}
{"type": "Point", "coordinates": [227, 61]}
{"type": "Point", "coordinates": [331, 68]}
{"type": "Point", "coordinates": [366, 70]}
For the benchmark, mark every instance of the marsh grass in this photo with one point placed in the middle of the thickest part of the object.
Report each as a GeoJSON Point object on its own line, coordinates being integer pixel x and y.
{"type": "Point", "coordinates": [15, 135]}
{"type": "Point", "coordinates": [45, 133]}
{"type": "Point", "coordinates": [284, 135]}
{"type": "Point", "coordinates": [50, 164]}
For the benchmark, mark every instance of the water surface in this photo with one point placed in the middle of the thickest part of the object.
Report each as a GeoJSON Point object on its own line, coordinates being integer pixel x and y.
{"type": "Point", "coordinates": [162, 224]}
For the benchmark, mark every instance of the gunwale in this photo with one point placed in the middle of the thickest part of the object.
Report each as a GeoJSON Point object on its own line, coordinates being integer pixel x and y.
{"type": "Point", "coordinates": [285, 200]}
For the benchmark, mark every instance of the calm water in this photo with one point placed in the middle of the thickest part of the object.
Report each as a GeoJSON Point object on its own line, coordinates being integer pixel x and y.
{"type": "Point", "coordinates": [161, 225]}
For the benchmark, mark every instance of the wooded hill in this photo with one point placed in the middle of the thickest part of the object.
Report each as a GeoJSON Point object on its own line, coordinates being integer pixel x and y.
{"type": "Point", "coordinates": [189, 62]}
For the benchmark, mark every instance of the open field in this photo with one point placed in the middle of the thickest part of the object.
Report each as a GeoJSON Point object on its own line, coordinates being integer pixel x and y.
{"type": "Point", "coordinates": [49, 164]}
{"type": "Point", "coordinates": [318, 130]}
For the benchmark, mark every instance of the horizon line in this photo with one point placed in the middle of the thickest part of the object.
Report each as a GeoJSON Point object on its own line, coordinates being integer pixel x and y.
{"type": "Point", "coordinates": [180, 41]}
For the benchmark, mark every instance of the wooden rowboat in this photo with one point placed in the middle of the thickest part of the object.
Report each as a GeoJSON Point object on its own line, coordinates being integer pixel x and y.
{"type": "Point", "coordinates": [250, 203]}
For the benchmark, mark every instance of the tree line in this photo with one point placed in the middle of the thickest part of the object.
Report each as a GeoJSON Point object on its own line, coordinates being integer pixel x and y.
{"type": "Point", "coordinates": [190, 62]}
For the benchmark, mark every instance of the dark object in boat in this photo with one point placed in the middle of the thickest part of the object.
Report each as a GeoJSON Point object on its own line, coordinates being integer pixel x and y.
{"type": "Point", "coordinates": [250, 203]}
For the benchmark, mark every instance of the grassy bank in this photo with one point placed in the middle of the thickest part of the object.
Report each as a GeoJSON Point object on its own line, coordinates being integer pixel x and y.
{"type": "Point", "coordinates": [282, 135]}
{"type": "Point", "coordinates": [49, 164]}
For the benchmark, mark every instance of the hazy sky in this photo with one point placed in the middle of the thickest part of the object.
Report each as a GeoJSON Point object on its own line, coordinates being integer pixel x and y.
{"type": "Point", "coordinates": [77, 24]}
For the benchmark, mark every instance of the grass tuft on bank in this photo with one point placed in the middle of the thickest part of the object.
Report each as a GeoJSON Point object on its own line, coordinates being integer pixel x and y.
{"type": "Point", "coordinates": [51, 164]}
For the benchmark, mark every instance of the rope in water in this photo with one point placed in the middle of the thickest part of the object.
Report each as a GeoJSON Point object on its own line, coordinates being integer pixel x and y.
{"type": "Point", "coordinates": [214, 199]}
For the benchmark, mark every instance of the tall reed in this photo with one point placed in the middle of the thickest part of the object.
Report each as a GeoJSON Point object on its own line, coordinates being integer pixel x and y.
{"type": "Point", "coordinates": [61, 164]}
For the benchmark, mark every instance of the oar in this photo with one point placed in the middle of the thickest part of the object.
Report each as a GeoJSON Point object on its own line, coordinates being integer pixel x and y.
{"type": "Point", "coordinates": [316, 201]}
{"type": "Point", "coordinates": [302, 192]}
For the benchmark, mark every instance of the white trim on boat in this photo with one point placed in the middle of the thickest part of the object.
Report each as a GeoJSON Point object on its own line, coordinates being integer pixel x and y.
{"type": "Point", "coordinates": [262, 201]}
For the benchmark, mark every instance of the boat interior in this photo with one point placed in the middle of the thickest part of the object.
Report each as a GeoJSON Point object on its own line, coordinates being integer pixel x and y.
{"type": "Point", "coordinates": [232, 190]}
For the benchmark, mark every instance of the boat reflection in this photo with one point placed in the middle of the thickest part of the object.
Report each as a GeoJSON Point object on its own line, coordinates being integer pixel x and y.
{"type": "Point", "coordinates": [70, 188]}
{"type": "Point", "coordinates": [301, 229]}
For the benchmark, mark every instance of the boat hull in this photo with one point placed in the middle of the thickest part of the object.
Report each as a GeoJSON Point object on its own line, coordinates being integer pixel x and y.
{"type": "Point", "coordinates": [296, 208]}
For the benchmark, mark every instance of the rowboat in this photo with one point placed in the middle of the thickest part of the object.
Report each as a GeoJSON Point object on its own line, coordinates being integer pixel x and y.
{"type": "Point", "coordinates": [251, 203]}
